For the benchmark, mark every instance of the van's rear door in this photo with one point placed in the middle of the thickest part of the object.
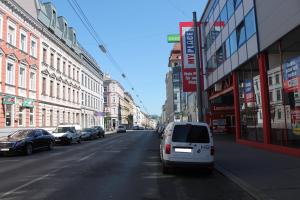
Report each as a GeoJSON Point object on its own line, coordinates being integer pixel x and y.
{"type": "Point", "coordinates": [191, 143]}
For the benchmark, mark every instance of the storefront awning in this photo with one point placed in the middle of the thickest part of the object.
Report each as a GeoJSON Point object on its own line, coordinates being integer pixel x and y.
{"type": "Point", "coordinates": [28, 103]}
{"type": "Point", "coordinates": [9, 99]}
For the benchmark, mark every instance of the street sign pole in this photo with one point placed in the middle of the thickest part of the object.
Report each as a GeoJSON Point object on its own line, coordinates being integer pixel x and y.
{"type": "Point", "coordinates": [198, 69]}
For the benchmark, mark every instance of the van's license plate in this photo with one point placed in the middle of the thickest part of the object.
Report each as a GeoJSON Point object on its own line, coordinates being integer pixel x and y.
{"type": "Point", "coordinates": [183, 150]}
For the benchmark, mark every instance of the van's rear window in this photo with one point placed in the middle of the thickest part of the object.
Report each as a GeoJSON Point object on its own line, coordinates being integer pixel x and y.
{"type": "Point", "coordinates": [190, 134]}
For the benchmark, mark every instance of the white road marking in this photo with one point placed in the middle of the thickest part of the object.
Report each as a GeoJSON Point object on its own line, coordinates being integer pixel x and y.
{"type": "Point", "coordinates": [86, 157]}
{"type": "Point", "coordinates": [24, 185]}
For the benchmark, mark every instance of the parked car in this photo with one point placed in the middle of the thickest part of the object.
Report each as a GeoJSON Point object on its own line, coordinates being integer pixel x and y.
{"type": "Point", "coordinates": [100, 131]}
{"type": "Point", "coordinates": [135, 128]}
{"type": "Point", "coordinates": [161, 130]}
{"type": "Point", "coordinates": [89, 134]}
{"type": "Point", "coordinates": [26, 141]}
{"type": "Point", "coordinates": [186, 144]}
{"type": "Point", "coordinates": [67, 133]}
{"type": "Point", "coordinates": [121, 129]}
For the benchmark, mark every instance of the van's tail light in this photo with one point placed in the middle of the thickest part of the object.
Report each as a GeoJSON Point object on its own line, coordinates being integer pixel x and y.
{"type": "Point", "coordinates": [212, 150]}
{"type": "Point", "coordinates": [168, 149]}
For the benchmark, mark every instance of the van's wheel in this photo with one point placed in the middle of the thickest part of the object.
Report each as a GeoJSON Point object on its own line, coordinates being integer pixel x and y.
{"type": "Point", "coordinates": [28, 149]}
{"type": "Point", "coordinates": [165, 169]}
{"type": "Point", "coordinates": [50, 146]}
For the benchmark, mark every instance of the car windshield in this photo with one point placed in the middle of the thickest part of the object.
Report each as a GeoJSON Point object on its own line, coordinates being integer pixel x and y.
{"type": "Point", "coordinates": [87, 130]}
{"type": "Point", "coordinates": [190, 134]}
{"type": "Point", "coordinates": [63, 129]}
{"type": "Point", "coordinates": [21, 134]}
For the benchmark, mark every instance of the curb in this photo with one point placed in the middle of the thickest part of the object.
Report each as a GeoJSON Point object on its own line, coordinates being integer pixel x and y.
{"type": "Point", "coordinates": [253, 192]}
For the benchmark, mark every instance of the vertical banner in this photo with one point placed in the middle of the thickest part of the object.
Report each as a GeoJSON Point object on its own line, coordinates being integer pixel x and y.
{"type": "Point", "coordinates": [187, 40]}
{"type": "Point", "coordinates": [248, 91]}
{"type": "Point", "coordinates": [291, 75]}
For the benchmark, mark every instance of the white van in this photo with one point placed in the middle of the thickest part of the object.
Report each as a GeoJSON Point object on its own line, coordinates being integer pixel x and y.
{"type": "Point", "coordinates": [187, 144]}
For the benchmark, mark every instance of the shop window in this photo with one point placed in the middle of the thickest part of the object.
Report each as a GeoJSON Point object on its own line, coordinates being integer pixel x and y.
{"type": "Point", "coordinates": [9, 113]}
{"type": "Point", "coordinates": [250, 102]}
{"type": "Point", "coordinates": [241, 34]}
{"type": "Point", "coordinates": [250, 24]}
{"type": "Point", "coordinates": [233, 42]}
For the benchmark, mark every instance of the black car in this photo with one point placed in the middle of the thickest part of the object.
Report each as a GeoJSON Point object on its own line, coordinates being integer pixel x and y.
{"type": "Point", "coordinates": [26, 141]}
{"type": "Point", "coordinates": [100, 131]}
{"type": "Point", "coordinates": [89, 134]}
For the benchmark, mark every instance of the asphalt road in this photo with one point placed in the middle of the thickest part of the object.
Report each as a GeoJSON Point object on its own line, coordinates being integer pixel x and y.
{"type": "Point", "coordinates": [120, 166]}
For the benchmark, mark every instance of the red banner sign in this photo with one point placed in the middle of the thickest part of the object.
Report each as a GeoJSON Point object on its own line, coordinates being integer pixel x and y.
{"type": "Point", "coordinates": [188, 55]}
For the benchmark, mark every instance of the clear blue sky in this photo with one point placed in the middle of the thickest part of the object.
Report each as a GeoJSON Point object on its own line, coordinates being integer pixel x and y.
{"type": "Point", "coordinates": [135, 33]}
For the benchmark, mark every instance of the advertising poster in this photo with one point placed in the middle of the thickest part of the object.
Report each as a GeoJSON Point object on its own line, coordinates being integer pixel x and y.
{"type": "Point", "coordinates": [248, 91]}
{"type": "Point", "coordinates": [187, 39]}
{"type": "Point", "coordinates": [291, 73]}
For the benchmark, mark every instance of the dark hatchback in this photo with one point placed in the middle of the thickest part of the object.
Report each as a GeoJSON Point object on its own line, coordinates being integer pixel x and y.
{"type": "Point", "coordinates": [100, 131]}
{"type": "Point", "coordinates": [26, 141]}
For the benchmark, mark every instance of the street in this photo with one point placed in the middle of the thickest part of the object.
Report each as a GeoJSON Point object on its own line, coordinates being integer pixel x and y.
{"type": "Point", "coordinates": [120, 166]}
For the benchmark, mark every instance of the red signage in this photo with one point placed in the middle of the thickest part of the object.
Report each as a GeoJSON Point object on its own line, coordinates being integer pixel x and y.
{"type": "Point", "coordinates": [188, 55]}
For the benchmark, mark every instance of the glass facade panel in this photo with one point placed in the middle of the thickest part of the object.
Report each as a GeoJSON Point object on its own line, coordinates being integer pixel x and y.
{"type": "Point", "coordinates": [223, 16]}
{"type": "Point", "coordinates": [250, 24]}
{"type": "Point", "coordinates": [241, 34]}
{"type": "Point", "coordinates": [227, 48]}
{"type": "Point", "coordinates": [230, 8]}
{"type": "Point", "coordinates": [250, 103]}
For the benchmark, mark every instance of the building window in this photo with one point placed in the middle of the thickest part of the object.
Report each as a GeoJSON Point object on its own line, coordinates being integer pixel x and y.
{"type": "Point", "coordinates": [21, 116]}
{"type": "Point", "coordinates": [74, 96]}
{"type": "Point", "coordinates": [277, 78]}
{"type": "Point", "coordinates": [69, 117]}
{"type": "Point", "coordinates": [64, 117]}
{"type": "Point", "coordinates": [9, 115]}
{"type": "Point", "coordinates": [77, 75]}
{"type": "Point", "coordinates": [44, 55]}
{"type": "Point", "coordinates": [53, 18]}
{"type": "Point", "coordinates": [271, 96]}
{"type": "Point", "coordinates": [233, 42]}
{"type": "Point", "coordinates": [1, 23]}
{"type": "Point", "coordinates": [57, 118]}
{"type": "Point", "coordinates": [43, 117]}
{"type": "Point", "coordinates": [23, 41]}
{"type": "Point", "coordinates": [69, 71]}
{"type": "Point", "coordinates": [227, 49]}
{"type": "Point", "coordinates": [250, 24]}
{"type": "Point", "coordinates": [51, 88]}
{"type": "Point", "coordinates": [64, 93]}
{"type": "Point", "coordinates": [44, 85]}
{"type": "Point", "coordinates": [22, 76]}
{"type": "Point", "coordinates": [85, 82]}
{"type": "Point", "coordinates": [33, 48]}
{"type": "Point", "coordinates": [223, 17]}
{"type": "Point", "coordinates": [241, 34]}
{"type": "Point", "coordinates": [11, 35]}
{"type": "Point", "coordinates": [64, 67]}
{"type": "Point", "coordinates": [82, 79]}
{"type": "Point", "coordinates": [237, 3]}
{"type": "Point", "coordinates": [278, 95]}
{"type": "Point", "coordinates": [10, 73]}
{"type": "Point", "coordinates": [279, 113]}
{"type": "Point", "coordinates": [52, 60]}
{"type": "Point", "coordinates": [220, 55]}
{"type": "Point", "coordinates": [77, 97]}
{"type": "Point", "coordinates": [82, 99]}
{"type": "Point", "coordinates": [31, 115]}
{"type": "Point", "coordinates": [51, 118]}
{"type": "Point", "coordinates": [230, 8]}
{"type": "Point", "coordinates": [58, 90]}
{"type": "Point", "coordinates": [270, 80]}
{"type": "Point", "coordinates": [58, 64]}
{"type": "Point", "coordinates": [74, 74]}
{"type": "Point", "coordinates": [69, 94]}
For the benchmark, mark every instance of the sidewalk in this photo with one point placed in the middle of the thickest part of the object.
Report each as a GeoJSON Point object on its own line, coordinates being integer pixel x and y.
{"type": "Point", "coordinates": [264, 174]}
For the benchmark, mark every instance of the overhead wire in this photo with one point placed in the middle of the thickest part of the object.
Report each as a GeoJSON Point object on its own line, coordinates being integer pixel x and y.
{"type": "Point", "coordinates": [87, 24]}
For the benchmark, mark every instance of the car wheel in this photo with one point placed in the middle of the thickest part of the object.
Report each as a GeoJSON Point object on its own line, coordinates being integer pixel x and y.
{"type": "Point", "coordinates": [50, 146]}
{"type": "Point", "coordinates": [79, 141]}
{"type": "Point", "coordinates": [28, 149]}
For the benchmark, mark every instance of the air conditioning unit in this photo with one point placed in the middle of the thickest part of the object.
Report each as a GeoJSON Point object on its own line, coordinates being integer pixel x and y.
{"type": "Point", "coordinates": [218, 87]}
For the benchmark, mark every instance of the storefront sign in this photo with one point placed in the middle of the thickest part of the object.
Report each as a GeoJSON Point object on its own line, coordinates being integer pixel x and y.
{"type": "Point", "coordinates": [9, 99]}
{"type": "Point", "coordinates": [248, 91]}
{"type": "Point", "coordinates": [187, 39]}
{"type": "Point", "coordinates": [28, 103]}
{"type": "Point", "coordinates": [292, 75]}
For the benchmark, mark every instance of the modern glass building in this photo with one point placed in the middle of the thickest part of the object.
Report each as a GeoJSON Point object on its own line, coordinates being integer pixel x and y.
{"type": "Point", "coordinates": [251, 62]}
